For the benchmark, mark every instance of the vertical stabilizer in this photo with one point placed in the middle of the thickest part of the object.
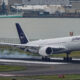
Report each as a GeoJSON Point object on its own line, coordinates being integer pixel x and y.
{"type": "Point", "coordinates": [21, 34]}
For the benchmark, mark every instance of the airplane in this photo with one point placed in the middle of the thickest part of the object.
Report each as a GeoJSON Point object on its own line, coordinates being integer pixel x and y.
{"type": "Point", "coordinates": [47, 47]}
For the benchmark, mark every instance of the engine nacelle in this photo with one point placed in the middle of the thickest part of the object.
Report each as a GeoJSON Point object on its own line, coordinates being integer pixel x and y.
{"type": "Point", "coordinates": [45, 51]}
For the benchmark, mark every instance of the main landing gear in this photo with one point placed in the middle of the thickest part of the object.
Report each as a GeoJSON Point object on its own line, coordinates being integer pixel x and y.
{"type": "Point", "coordinates": [46, 58]}
{"type": "Point", "coordinates": [67, 58]}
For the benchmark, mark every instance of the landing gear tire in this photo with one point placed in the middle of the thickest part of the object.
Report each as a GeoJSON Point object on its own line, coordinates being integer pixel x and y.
{"type": "Point", "coordinates": [67, 58]}
{"type": "Point", "coordinates": [45, 58]}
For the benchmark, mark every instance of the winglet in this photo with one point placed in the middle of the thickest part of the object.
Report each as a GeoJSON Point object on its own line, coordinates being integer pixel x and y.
{"type": "Point", "coordinates": [21, 34]}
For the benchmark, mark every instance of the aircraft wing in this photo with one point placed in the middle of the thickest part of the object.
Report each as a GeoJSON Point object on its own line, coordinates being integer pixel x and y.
{"type": "Point", "coordinates": [42, 50]}
{"type": "Point", "coordinates": [54, 48]}
{"type": "Point", "coordinates": [12, 45]}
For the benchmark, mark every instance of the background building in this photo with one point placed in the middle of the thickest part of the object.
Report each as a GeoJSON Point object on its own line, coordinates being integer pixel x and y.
{"type": "Point", "coordinates": [68, 6]}
{"type": "Point", "coordinates": [13, 2]}
{"type": "Point", "coordinates": [46, 2]}
{"type": "Point", "coordinates": [6, 2]}
{"type": "Point", "coordinates": [75, 4]}
{"type": "Point", "coordinates": [0, 2]}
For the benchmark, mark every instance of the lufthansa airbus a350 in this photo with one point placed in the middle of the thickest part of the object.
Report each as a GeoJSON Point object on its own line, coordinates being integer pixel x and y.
{"type": "Point", "coordinates": [47, 47]}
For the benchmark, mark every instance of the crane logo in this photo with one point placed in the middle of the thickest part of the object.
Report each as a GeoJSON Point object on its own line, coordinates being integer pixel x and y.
{"type": "Point", "coordinates": [21, 35]}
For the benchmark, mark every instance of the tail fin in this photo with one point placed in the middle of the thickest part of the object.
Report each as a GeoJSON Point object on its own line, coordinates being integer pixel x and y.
{"type": "Point", "coordinates": [21, 34]}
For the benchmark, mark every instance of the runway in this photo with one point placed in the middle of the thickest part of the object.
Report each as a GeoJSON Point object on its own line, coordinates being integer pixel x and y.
{"type": "Point", "coordinates": [40, 68]}
{"type": "Point", "coordinates": [29, 62]}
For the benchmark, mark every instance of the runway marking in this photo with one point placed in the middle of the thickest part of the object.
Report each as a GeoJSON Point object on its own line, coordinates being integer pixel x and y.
{"type": "Point", "coordinates": [33, 62]}
{"type": "Point", "coordinates": [7, 75]}
{"type": "Point", "coordinates": [62, 58]}
{"type": "Point", "coordinates": [76, 59]}
{"type": "Point", "coordinates": [10, 75]}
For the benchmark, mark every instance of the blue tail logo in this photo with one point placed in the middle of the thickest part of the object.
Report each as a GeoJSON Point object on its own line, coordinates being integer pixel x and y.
{"type": "Point", "coordinates": [21, 34]}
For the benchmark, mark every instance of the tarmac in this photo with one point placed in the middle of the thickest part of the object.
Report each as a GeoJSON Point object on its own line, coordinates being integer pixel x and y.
{"type": "Point", "coordinates": [38, 67]}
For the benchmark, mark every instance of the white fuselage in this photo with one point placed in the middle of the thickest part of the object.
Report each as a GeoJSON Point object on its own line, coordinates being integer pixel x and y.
{"type": "Point", "coordinates": [68, 43]}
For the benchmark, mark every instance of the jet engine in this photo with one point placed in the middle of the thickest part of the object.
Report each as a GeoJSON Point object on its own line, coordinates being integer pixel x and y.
{"type": "Point", "coordinates": [45, 51]}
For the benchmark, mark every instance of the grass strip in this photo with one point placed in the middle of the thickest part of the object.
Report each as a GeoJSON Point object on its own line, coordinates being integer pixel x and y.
{"type": "Point", "coordinates": [52, 77]}
{"type": "Point", "coordinates": [4, 68]}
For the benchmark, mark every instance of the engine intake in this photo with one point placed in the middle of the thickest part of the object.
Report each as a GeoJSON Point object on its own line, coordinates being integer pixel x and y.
{"type": "Point", "coordinates": [45, 51]}
{"type": "Point", "coordinates": [48, 50]}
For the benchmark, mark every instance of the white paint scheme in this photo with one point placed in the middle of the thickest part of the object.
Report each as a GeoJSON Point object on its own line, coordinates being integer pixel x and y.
{"type": "Point", "coordinates": [48, 47]}
{"type": "Point", "coordinates": [67, 44]}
